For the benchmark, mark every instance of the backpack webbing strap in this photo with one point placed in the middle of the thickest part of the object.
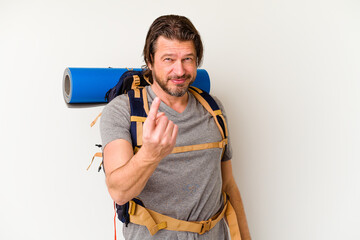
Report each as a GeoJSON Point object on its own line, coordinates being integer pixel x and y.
{"type": "Point", "coordinates": [98, 154]}
{"type": "Point", "coordinates": [145, 100]}
{"type": "Point", "coordinates": [155, 221]}
{"type": "Point", "coordinates": [196, 147]}
{"type": "Point", "coordinates": [232, 222]}
{"type": "Point", "coordinates": [211, 106]}
{"type": "Point", "coordinates": [95, 120]}
{"type": "Point", "coordinates": [137, 119]}
{"type": "Point", "coordinates": [138, 112]}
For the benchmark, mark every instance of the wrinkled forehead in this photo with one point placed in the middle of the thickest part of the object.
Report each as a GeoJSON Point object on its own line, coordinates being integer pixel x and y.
{"type": "Point", "coordinates": [165, 45]}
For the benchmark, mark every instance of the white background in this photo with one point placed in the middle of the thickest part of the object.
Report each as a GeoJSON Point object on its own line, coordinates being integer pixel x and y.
{"type": "Point", "coordinates": [287, 72]}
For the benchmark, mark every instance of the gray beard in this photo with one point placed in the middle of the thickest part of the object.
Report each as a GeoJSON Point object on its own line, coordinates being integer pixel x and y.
{"type": "Point", "coordinates": [178, 92]}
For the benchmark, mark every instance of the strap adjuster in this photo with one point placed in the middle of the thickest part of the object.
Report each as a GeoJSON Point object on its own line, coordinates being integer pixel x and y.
{"type": "Point", "coordinates": [206, 226]}
{"type": "Point", "coordinates": [223, 143]}
{"type": "Point", "coordinates": [132, 207]}
{"type": "Point", "coordinates": [136, 80]}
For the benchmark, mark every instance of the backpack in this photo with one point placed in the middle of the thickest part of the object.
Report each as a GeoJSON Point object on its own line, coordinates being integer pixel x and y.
{"type": "Point", "coordinates": [128, 80]}
{"type": "Point", "coordinates": [133, 84]}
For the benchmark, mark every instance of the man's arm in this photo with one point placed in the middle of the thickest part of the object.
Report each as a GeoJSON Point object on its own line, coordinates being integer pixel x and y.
{"type": "Point", "coordinates": [230, 187]}
{"type": "Point", "coordinates": [126, 173]}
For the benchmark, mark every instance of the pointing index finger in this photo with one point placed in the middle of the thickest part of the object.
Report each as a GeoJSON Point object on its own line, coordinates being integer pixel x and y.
{"type": "Point", "coordinates": [154, 109]}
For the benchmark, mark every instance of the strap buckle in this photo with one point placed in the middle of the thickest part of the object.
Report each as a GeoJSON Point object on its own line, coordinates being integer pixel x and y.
{"type": "Point", "coordinates": [223, 143]}
{"type": "Point", "coordinates": [206, 226]}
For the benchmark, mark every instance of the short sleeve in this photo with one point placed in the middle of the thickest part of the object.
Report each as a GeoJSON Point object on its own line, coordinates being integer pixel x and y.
{"type": "Point", "coordinates": [228, 151]}
{"type": "Point", "coordinates": [115, 120]}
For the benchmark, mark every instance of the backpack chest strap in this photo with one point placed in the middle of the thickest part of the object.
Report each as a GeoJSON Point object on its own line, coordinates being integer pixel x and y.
{"type": "Point", "coordinates": [196, 147]}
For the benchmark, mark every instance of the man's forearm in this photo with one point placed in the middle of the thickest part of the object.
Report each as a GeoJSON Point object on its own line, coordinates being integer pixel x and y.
{"type": "Point", "coordinates": [127, 181]}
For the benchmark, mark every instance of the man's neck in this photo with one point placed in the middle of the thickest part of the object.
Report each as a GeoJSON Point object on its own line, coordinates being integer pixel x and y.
{"type": "Point", "coordinates": [176, 103]}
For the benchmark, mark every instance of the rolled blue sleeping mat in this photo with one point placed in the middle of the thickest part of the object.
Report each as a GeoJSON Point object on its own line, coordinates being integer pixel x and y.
{"type": "Point", "coordinates": [89, 85]}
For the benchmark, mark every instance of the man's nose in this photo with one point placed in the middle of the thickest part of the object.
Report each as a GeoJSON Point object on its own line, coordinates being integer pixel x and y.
{"type": "Point", "coordinates": [179, 69]}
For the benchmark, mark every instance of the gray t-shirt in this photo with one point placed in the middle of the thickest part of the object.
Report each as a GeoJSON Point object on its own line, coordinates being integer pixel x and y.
{"type": "Point", "coordinates": [185, 186]}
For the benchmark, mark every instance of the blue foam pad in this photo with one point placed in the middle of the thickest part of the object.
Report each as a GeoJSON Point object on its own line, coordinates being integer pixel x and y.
{"type": "Point", "coordinates": [89, 85]}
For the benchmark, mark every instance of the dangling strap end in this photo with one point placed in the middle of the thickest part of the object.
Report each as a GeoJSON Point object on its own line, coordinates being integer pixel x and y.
{"type": "Point", "coordinates": [98, 154]}
{"type": "Point", "coordinates": [95, 120]}
{"type": "Point", "coordinates": [157, 227]}
{"type": "Point", "coordinates": [99, 168]}
{"type": "Point", "coordinates": [115, 221]}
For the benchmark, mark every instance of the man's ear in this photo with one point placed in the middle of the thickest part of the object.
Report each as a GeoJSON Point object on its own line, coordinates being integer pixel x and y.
{"type": "Point", "coordinates": [149, 65]}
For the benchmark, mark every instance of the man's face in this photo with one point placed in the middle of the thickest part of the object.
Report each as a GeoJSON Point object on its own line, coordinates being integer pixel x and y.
{"type": "Point", "coordinates": [174, 65]}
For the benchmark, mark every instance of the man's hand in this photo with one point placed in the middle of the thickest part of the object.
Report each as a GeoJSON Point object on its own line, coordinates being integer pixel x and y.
{"type": "Point", "coordinates": [126, 173]}
{"type": "Point", "coordinates": [159, 134]}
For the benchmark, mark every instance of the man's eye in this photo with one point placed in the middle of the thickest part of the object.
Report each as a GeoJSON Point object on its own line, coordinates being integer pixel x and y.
{"type": "Point", "coordinates": [167, 59]}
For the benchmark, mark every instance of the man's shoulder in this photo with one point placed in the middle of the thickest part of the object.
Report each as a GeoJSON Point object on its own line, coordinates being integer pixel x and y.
{"type": "Point", "coordinates": [118, 107]}
{"type": "Point", "coordinates": [117, 103]}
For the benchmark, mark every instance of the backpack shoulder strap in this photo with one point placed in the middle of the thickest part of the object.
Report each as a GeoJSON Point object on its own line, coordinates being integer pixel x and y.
{"type": "Point", "coordinates": [212, 107]}
{"type": "Point", "coordinates": [139, 109]}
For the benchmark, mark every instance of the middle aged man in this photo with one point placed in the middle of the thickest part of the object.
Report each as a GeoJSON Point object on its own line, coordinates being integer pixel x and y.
{"type": "Point", "coordinates": [187, 185]}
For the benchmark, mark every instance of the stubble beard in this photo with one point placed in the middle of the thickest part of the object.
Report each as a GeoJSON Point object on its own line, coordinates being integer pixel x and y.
{"type": "Point", "coordinates": [179, 90]}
